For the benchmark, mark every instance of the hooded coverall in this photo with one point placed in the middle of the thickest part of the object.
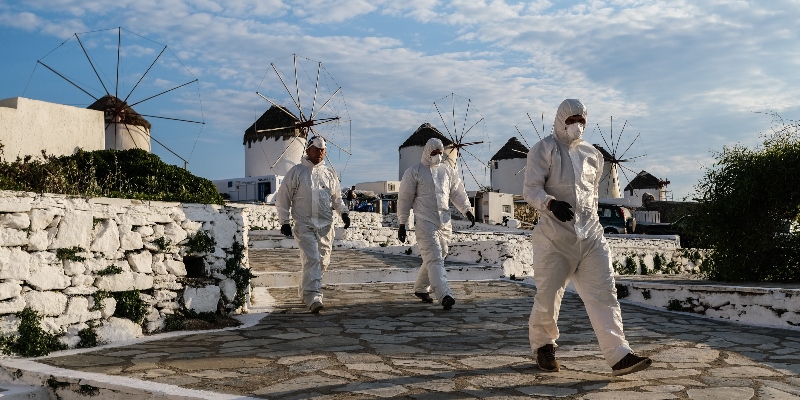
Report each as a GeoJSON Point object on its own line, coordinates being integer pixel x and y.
{"type": "Point", "coordinates": [428, 188]}
{"type": "Point", "coordinates": [559, 168]}
{"type": "Point", "coordinates": [311, 192]}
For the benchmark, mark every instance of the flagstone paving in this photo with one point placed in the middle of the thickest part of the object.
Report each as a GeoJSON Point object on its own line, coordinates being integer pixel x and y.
{"type": "Point", "coordinates": [377, 341]}
{"type": "Point", "coordinates": [288, 260]}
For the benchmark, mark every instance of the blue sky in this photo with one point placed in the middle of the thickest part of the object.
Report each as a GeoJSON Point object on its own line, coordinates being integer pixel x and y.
{"type": "Point", "coordinates": [689, 77]}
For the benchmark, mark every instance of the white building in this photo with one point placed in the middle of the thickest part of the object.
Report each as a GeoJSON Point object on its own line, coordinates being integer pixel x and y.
{"type": "Point", "coordinates": [411, 149]}
{"type": "Point", "coordinates": [645, 185]}
{"type": "Point", "coordinates": [507, 167]}
{"type": "Point", "coordinates": [124, 128]}
{"type": "Point", "coordinates": [379, 187]}
{"type": "Point", "coordinates": [491, 207]}
{"type": "Point", "coordinates": [29, 126]}
{"type": "Point", "coordinates": [250, 189]}
{"type": "Point", "coordinates": [279, 140]}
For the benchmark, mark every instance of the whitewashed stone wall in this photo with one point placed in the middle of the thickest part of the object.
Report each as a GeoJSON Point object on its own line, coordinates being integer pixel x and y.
{"type": "Point", "coordinates": [765, 306]}
{"type": "Point", "coordinates": [111, 232]}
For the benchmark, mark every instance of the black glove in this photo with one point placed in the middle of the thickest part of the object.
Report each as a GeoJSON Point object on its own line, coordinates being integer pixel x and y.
{"type": "Point", "coordinates": [471, 218]}
{"type": "Point", "coordinates": [286, 229]}
{"type": "Point", "coordinates": [346, 219]}
{"type": "Point", "coordinates": [561, 209]}
{"type": "Point", "coordinates": [401, 234]}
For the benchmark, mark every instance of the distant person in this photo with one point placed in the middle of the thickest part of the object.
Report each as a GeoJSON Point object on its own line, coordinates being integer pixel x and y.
{"type": "Point", "coordinates": [428, 188]}
{"type": "Point", "coordinates": [310, 190]}
{"type": "Point", "coordinates": [561, 182]}
{"type": "Point", "coordinates": [351, 198]}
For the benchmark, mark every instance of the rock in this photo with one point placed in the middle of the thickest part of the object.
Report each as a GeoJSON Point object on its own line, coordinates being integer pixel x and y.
{"type": "Point", "coordinates": [156, 325]}
{"type": "Point", "coordinates": [38, 241]}
{"type": "Point", "coordinates": [224, 231]}
{"type": "Point", "coordinates": [130, 241]}
{"type": "Point", "coordinates": [204, 299]}
{"type": "Point", "coordinates": [164, 295]}
{"type": "Point", "coordinates": [14, 263]}
{"type": "Point", "coordinates": [15, 202]}
{"type": "Point", "coordinates": [9, 324]}
{"type": "Point", "coordinates": [13, 237]}
{"type": "Point", "coordinates": [141, 262]}
{"type": "Point", "coordinates": [118, 330]}
{"type": "Point", "coordinates": [41, 218]}
{"type": "Point", "coordinates": [74, 230]}
{"type": "Point", "coordinates": [106, 240]}
{"type": "Point", "coordinates": [73, 268]}
{"type": "Point", "coordinates": [191, 226]}
{"type": "Point", "coordinates": [175, 267]}
{"type": "Point", "coordinates": [152, 315]}
{"type": "Point", "coordinates": [82, 280]}
{"type": "Point", "coordinates": [47, 277]}
{"type": "Point", "coordinates": [15, 221]}
{"type": "Point", "coordinates": [174, 233]}
{"type": "Point", "coordinates": [13, 305]}
{"type": "Point", "coordinates": [46, 303]}
{"type": "Point", "coordinates": [124, 281]}
{"type": "Point", "coordinates": [9, 290]}
{"type": "Point", "coordinates": [145, 230]}
{"type": "Point", "coordinates": [168, 282]}
{"type": "Point", "coordinates": [228, 288]}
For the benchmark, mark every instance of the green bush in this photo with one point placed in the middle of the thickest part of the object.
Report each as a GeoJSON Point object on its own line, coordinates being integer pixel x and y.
{"type": "Point", "coordinates": [88, 338]}
{"type": "Point", "coordinates": [746, 201]}
{"type": "Point", "coordinates": [241, 275]}
{"type": "Point", "coordinates": [70, 253]}
{"type": "Point", "coordinates": [132, 174]}
{"type": "Point", "coordinates": [110, 270]}
{"type": "Point", "coordinates": [622, 291]}
{"type": "Point", "coordinates": [200, 243]}
{"type": "Point", "coordinates": [130, 305]}
{"type": "Point", "coordinates": [32, 340]}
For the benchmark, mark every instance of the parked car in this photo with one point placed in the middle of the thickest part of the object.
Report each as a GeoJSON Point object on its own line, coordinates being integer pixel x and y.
{"type": "Point", "coordinates": [680, 227]}
{"type": "Point", "coordinates": [616, 219]}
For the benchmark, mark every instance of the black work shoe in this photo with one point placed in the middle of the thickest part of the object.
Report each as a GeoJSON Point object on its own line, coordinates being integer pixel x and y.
{"type": "Point", "coordinates": [315, 307]}
{"type": "Point", "coordinates": [426, 298]}
{"type": "Point", "coordinates": [546, 358]}
{"type": "Point", "coordinates": [629, 364]}
{"type": "Point", "coordinates": [447, 302]}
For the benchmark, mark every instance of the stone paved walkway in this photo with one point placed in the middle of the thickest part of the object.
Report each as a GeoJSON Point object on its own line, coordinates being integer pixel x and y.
{"type": "Point", "coordinates": [288, 260]}
{"type": "Point", "coordinates": [376, 341]}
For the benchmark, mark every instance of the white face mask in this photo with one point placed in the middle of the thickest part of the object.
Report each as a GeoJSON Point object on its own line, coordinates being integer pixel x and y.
{"type": "Point", "coordinates": [575, 131]}
{"type": "Point", "coordinates": [437, 159]}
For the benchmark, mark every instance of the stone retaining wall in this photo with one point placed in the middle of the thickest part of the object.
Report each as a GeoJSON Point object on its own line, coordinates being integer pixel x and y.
{"type": "Point", "coordinates": [59, 254]}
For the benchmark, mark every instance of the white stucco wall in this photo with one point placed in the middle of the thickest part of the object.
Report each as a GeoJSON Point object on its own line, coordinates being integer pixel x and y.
{"type": "Point", "coordinates": [609, 184]}
{"type": "Point", "coordinates": [505, 178]}
{"type": "Point", "coordinates": [260, 155]}
{"type": "Point", "coordinates": [29, 126]}
{"type": "Point", "coordinates": [121, 136]}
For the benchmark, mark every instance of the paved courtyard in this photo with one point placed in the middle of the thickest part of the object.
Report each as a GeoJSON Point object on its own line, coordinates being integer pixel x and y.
{"type": "Point", "coordinates": [377, 341]}
{"type": "Point", "coordinates": [288, 260]}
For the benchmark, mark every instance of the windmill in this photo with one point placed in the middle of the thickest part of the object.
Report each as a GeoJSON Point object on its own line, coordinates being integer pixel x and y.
{"type": "Point", "coordinates": [461, 120]}
{"type": "Point", "coordinates": [614, 159]}
{"type": "Point", "coordinates": [309, 102]}
{"type": "Point", "coordinates": [131, 71]}
{"type": "Point", "coordinates": [538, 134]}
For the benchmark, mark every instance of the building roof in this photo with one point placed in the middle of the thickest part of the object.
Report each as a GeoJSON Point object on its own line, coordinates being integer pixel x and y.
{"type": "Point", "coordinates": [422, 134]}
{"type": "Point", "coordinates": [271, 119]}
{"type": "Point", "coordinates": [606, 155]}
{"type": "Point", "coordinates": [127, 116]}
{"type": "Point", "coordinates": [644, 180]}
{"type": "Point", "coordinates": [512, 149]}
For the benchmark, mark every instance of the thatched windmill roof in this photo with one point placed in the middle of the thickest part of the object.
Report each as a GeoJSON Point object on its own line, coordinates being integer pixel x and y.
{"type": "Point", "coordinates": [644, 180]}
{"type": "Point", "coordinates": [606, 155]}
{"type": "Point", "coordinates": [271, 119]}
{"type": "Point", "coordinates": [512, 149]}
{"type": "Point", "coordinates": [109, 105]}
{"type": "Point", "coordinates": [422, 134]}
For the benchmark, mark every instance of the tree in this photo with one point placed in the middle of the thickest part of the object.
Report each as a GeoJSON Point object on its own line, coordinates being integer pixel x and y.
{"type": "Point", "coordinates": [747, 200]}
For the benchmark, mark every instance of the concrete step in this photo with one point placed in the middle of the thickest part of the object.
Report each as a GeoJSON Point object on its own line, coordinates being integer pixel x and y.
{"type": "Point", "coordinates": [276, 279]}
{"type": "Point", "coordinates": [23, 392]}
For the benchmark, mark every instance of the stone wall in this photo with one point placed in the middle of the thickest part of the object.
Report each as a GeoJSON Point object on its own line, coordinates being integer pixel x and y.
{"type": "Point", "coordinates": [59, 254]}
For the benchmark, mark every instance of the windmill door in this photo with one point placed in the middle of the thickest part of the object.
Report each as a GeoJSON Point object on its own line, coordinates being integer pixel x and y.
{"type": "Point", "coordinates": [264, 188]}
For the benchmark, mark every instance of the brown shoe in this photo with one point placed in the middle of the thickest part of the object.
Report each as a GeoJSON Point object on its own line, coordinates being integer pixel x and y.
{"type": "Point", "coordinates": [629, 364]}
{"type": "Point", "coordinates": [546, 358]}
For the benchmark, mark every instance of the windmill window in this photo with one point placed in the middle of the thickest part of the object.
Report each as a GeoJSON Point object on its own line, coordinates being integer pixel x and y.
{"type": "Point", "coordinates": [230, 183]}
{"type": "Point", "coordinates": [496, 164]}
{"type": "Point", "coordinates": [249, 145]}
{"type": "Point", "coordinates": [506, 209]}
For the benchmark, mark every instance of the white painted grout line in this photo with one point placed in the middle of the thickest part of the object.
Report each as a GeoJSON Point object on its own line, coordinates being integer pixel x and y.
{"type": "Point", "coordinates": [112, 381]}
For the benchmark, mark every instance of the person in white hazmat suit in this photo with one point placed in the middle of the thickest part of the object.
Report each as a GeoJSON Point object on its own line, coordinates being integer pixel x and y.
{"type": "Point", "coordinates": [310, 190]}
{"type": "Point", "coordinates": [561, 183]}
{"type": "Point", "coordinates": [428, 188]}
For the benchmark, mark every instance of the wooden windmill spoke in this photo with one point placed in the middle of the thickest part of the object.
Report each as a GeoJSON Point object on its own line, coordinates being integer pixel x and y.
{"type": "Point", "coordinates": [92, 64]}
{"type": "Point", "coordinates": [466, 164]}
{"type": "Point", "coordinates": [470, 128]}
{"type": "Point", "coordinates": [164, 92]}
{"type": "Point", "coordinates": [329, 141]}
{"type": "Point", "coordinates": [275, 129]}
{"type": "Point", "coordinates": [145, 74]}
{"type": "Point", "coordinates": [169, 150]}
{"type": "Point", "coordinates": [522, 136]}
{"type": "Point", "coordinates": [603, 137]}
{"type": "Point", "coordinates": [534, 126]}
{"type": "Point", "coordinates": [119, 45]}
{"type": "Point", "coordinates": [326, 103]}
{"type": "Point", "coordinates": [523, 169]}
{"type": "Point", "coordinates": [67, 79]}
{"type": "Point", "coordinates": [297, 87]}
{"type": "Point", "coordinates": [444, 123]}
{"type": "Point", "coordinates": [331, 164]}
{"type": "Point", "coordinates": [619, 139]}
{"type": "Point", "coordinates": [631, 145]}
{"type": "Point", "coordinates": [174, 119]}
{"type": "Point", "coordinates": [287, 90]}
{"type": "Point", "coordinates": [316, 88]}
{"type": "Point", "coordinates": [633, 158]}
{"type": "Point", "coordinates": [284, 152]}
{"type": "Point", "coordinates": [276, 105]}
{"type": "Point", "coordinates": [469, 102]}
{"type": "Point", "coordinates": [460, 145]}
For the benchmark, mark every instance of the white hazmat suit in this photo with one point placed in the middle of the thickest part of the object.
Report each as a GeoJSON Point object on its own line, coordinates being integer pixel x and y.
{"type": "Point", "coordinates": [311, 192]}
{"type": "Point", "coordinates": [566, 168]}
{"type": "Point", "coordinates": [428, 188]}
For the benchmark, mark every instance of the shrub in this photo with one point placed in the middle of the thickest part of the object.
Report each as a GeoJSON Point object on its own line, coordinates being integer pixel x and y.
{"type": "Point", "coordinates": [110, 270]}
{"type": "Point", "coordinates": [200, 243]}
{"type": "Point", "coordinates": [32, 340]}
{"type": "Point", "coordinates": [746, 200]}
{"type": "Point", "coordinates": [134, 174]}
{"type": "Point", "coordinates": [88, 338]}
{"type": "Point", "coordinates": [70, 253]}
{"type": "Point", "coordinates": [240, 274]}
{"type": "Point", "coordinates": [622, 291]}
{"type": "Point", "coordinates": [130, 305]}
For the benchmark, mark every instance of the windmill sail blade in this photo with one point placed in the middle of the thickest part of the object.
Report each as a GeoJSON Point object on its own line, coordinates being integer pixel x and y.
{"type": "Point", "coordinates": [619, 138]}
{"type": "Point", "coordinates": [329, 141]}
{"type": "Point", "coordinates": [326, 103]}
{"type": "Point", "coordinates": [631, 145]}
{"type": "Point", "coordinates": [316, 90]}
{"type": "Point", "coordinates": [92, 64]}
{"type": "Point", "coordinates": [275, 129]}
{"type": "Point", "coordinates": [285, 87]}
{"type": "Point", "coordinates": [145, 74]}
{"type": "Point", "coordinates": [174, 119]}
{"type": "Point", "coordinates": [444, 123]}
{"type": "Point", "coordinates": [604, 138]}
{"type": "Point", "coordinates": [473, 125]}
{"type": "Point", "coordinates": [332, 167]}
{"type": "Point", "coordinates": [166, 91]}
{"type": "Point", "coordinates": [67, 79]}
{"type": "Point", "coordinates": [534, 126]}
{"type": "Point", "coordinates": [276, 105]}
{"type": "Point", "coordinates": [522, 136]}
{"type": "Point", "coordinates": [523, 169]}
{"type": "Point", "coordinates": [469, 102]}
{"type": "Point", "coordinates": [280, 156]}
